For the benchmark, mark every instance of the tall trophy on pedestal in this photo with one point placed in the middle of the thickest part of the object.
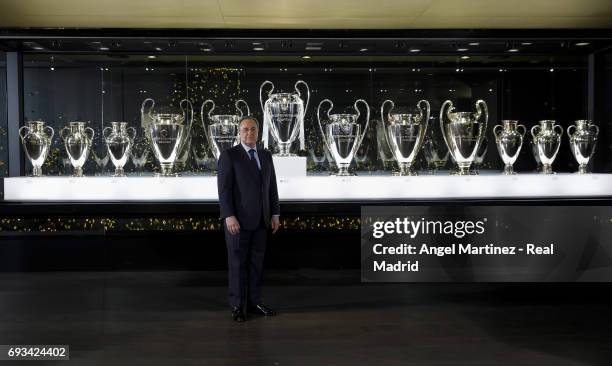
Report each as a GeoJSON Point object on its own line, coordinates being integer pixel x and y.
{"type": "Point", "coordinates": [283, 115]}
{"type": "Point", "coordinates": [119, 143]}
{"type": "Point", "coordinates": [405, 133]}
{"type": "Point", "coordinates": [343, 134]}
{"type": "Point", "coordinates": [547, 139]}
{"type": "Point", "coordinates": [463, 132]}
{"type": "Point", "coordinates": [509, 140]}
{"type": "Point", "coordinates": [78, 140]}
{"type": "Point", "coordinates": [222, 129]}
{"type": "Point", "coordinates": [582, 141]}
{"type": "Point", "coordinates": [167, 133]}
{"type": "Point", "coordinates": [36, 140]}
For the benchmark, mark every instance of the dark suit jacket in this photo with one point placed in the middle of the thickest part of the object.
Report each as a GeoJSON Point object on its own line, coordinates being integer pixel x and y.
{"type": "Point", "coordinates": [241, 193]}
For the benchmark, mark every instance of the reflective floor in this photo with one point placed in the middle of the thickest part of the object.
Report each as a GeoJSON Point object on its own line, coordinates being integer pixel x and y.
{"type": "Point", "coordinates": [326, 318]}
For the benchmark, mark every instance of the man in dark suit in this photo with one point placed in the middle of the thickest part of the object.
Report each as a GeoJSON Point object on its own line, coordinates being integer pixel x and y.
{"type": "Point", "coordinates": [248, 199]}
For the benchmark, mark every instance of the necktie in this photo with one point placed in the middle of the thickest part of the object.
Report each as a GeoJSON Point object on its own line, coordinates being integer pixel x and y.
{"type": "Point", "coordinates": [253, 160]}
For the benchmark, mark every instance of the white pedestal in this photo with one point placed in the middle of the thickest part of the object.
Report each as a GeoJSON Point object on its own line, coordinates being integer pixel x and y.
{"type": "Point", "coordinates": [289, 166]}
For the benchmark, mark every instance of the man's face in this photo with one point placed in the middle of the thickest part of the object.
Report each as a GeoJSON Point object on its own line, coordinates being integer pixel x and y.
{"type": "Point", "coordinates": [248, 132]}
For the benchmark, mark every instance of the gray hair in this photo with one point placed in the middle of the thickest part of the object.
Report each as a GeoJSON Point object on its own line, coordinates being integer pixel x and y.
{"type": "Point", "coordinates": [244, 118]}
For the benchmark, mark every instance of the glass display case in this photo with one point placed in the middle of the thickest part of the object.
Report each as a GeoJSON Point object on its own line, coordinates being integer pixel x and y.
{"type": "Point", "coordinates": [378, 116]}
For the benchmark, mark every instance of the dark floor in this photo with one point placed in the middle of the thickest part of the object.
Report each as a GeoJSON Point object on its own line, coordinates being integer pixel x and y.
{"type": "Point", "coordinates": [326, 318]}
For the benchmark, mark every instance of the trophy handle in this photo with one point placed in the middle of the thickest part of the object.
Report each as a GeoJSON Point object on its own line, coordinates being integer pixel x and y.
{"type": "Point", "coordinates": [261, 87]}
{"type": "Point", "coordinates": [89, 129]}
{"type": "Point", "coordinates": [331, 105]}
{"type": "Point", "coordinates": [595, 129]}
{"type": "Point", "coordinates": [300, 94]}
{"type": "Point", "coordinates": [104, 132]}
{"type": "Point", "coordinates": [203, 119]}
{"type": "Point", "coordinates": [62, 135]}
{"type": "Point", "coordinates": [187, 113]}
{"type": "Point", "coordinates": [51, 134]}
{"type": "Point", "coordinates": [423, 105]}
{"type": "Point", "coordinates": [142, 107]}
{"type": "Point", "coordinates": [450, 106]}
{"type": "Point", "coordinates": [383, 121]}
{"type": "Point", "coordinates": [571, 128]}
{"type": "Point", "coordinates": [24, 128]}
{"type": "Point", "coordinates": [301, 137]}
{"type": "Point", "coordinates": [133, 137]}
{"type": "Point", "coordinates": [243, 102]}
{"type": "Point", "coordinates": [520, 128]}
{"type": "Point", "coordinates": [496, 131]}
{"type": "Point", "coordinates": [481, 108]}
{"type": "Point", "coordinates": [264, 133]}
{"type": "Point", "coordinates": [533, 131]}
{"type": "Point", "coordinates": [365, 129]}
{"type": "Point", "coordinates": [207, 101]}
{"type": "Point", "coordinates": [560, 129]}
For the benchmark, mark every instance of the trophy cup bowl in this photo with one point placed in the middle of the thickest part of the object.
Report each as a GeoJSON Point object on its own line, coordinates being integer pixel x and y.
{"type": "Point", "coordinates": [463, 132]}
{"type": "Point", "coordinates": [119, 143]}
{"type": "Point", "coordinates": [547, 139]}
{"type": "Point", "coordinates": [36, 143]}
{"type": "Point", "coordinates": [343, 134]}
{"type": "Point", "coordinates": [222, 131]}
{"type": "Point", "coordinates": [284, 117]}
{"type": "Point", "coordinates": [405, 133]}
{"type": "Point", "coordinates": [509, 140]}
{"type": "Point", "coordinates": [77, 140]}
{"type": "Point", "coordinates": [583, 138]}
{"type": "Point", "coordinates": [167, 133]}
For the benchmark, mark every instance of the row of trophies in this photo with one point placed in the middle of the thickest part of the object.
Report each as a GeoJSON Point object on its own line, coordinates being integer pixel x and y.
{"type": "Point", "coordinates": [167, 132]}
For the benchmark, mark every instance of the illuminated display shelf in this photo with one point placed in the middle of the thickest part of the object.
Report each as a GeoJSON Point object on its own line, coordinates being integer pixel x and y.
{"type": "Point", "coordinates": [314, 188]}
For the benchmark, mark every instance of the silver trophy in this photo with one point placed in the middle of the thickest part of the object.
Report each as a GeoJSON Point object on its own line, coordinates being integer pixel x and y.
{"type": "Point", "coordinates": [78, 140]}
{"type": "Point", "coordinates": [119, 143]}
{"type": "Point", "coordinates": [36, 142]}
{"type": "Point", "coordinates": [463, 132]}
{"type": "Point", "coordinates": [547, 139]}
{"type": "Point", "coordinates": [582, 142]}
{"type": "Point", "coordinates": [509, 140]}
{"type": "Point", "coordinates": [222, 129]}
{"type": "Point", "coordinates": [283, 115]}
{"type": "Point", "coordinates": [405, 133]}
{"type": "Point", "coordinates": [167, 133]}
{"type": "Point", "coordinates": [342, 134]}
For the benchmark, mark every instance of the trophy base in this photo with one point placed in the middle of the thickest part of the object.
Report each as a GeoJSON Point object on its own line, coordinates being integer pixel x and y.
{"type": "Point", "coordinates": [78, 172]}
{"type": "Point", "coordinates": [547, 169]}
{"type": "Point", "coordinates": [582, 169]}
{"type": "Point", "coordinates": [119, 172]}
{"type": "Point", "coordinates": [36, 171]}
{"type": "Point", "coordinates": [509, 170]}
{"type": "Point", "coordinates": [406, 170]}
{"type": "Point", "coordinates": [167, 171]}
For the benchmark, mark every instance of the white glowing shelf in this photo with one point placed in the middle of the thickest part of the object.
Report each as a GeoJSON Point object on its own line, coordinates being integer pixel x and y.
{"type": "Point", "coordinates": [313, 188]}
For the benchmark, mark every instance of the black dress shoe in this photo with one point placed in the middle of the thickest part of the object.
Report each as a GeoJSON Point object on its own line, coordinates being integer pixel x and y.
{"type": "Point", "coordinates": [261, 309]}
{"type": "Point", "coordinates": [238, 314]}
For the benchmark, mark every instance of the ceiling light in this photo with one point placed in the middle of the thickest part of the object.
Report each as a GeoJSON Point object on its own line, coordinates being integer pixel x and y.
{"type": "Point", "coordinates": [415, 50]}
{"type": "Point", "coordinates": [363, 49]}
{"type": "Point", "coordinates": [37, 48]}
{"type": "Point", "coordinates": [474, 44]}
{"type": "Point", "coordinates": [462, 49]}
{"type": "Point", "coordinates": [206, 49]}
{"type": "Point", "coordinates": [103, 48]}
{"type": "Point", "coordinates": [158, 49]}
{"type": "Point", "coordinates": [465, 57]}
{"type": "Point", "coordinates": [306, 57]}
{"type": "Point", "coordinates": [513, 50]}
{"type": "Point", "coordinates": [152, 57]}
{"type": "Point", "coordinates": [526, 43]}
{"type": "Point", "coordinates": [258, 49]}
{"type": "Point", "coordinates": [582, 44]}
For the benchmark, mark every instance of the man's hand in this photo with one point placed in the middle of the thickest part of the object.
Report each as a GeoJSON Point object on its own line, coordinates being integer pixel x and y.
{"type": "Point", "coordinates": [275, 222]}
{"type": "Point", "coordinates": [232, 225]}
